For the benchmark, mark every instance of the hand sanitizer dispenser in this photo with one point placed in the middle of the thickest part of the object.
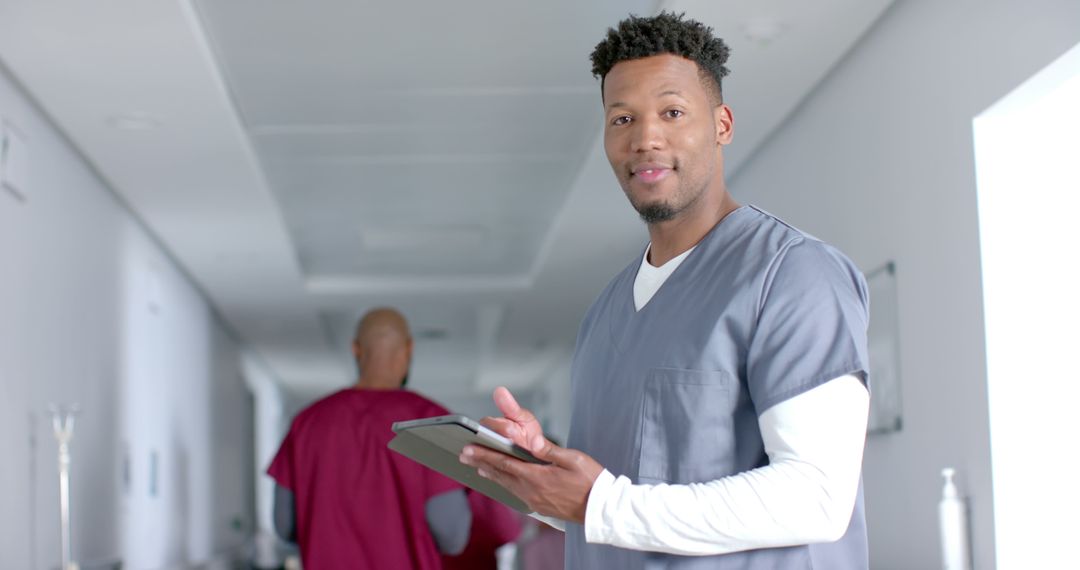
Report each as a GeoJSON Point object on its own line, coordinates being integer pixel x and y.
{"type": "Point", "coordinates": [952, 517]}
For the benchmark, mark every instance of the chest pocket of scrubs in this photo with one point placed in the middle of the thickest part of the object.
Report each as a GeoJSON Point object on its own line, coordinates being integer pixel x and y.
{"type": "Point", "coordinates": [686, 426]}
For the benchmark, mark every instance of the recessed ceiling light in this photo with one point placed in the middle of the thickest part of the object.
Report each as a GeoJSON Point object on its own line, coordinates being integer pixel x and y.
{"type": "Point", "coordinates": [385, 239]}
{"type": "Point", "coordinates": [430, 333]}
{"type": "Point", "coordinates": [134, 121]}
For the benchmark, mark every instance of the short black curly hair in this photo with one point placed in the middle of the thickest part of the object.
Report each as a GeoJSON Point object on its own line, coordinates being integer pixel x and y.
{"type": "Point", "coordinates": [637, 37]}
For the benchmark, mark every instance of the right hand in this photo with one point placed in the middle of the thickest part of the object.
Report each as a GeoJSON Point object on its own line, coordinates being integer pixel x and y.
{"type": "Point", "coordinates": [517, 423]}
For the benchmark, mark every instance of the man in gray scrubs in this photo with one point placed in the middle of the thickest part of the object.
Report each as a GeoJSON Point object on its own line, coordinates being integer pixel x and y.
{"type": "Point", "coordinates": [719, 381]}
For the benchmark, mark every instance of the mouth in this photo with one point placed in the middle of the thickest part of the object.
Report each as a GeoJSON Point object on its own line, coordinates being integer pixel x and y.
{"type": "Point", "coordinates": [650, 173]}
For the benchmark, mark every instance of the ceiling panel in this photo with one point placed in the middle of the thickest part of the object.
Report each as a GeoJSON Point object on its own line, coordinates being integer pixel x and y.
{"type": "Point", "coordinates": [520, 111]}
{"type": "Point", "coordinates": [383, 125]}
{"type": "Point", "coordinates": [329, 204]}
{"type": "Point", "coordinates": [412, 142]}
{"type": "Point", "coordinates": [277, 54]}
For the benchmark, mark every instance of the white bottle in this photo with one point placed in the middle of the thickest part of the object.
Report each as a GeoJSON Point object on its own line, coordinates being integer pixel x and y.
{"type": "Point", "coordinates": [952, 517]}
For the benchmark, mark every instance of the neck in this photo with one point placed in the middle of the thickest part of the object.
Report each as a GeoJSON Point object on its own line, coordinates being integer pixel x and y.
{"type": "Point", "coordinates": [376, 383]}
{"type": "Point", "coordinates": [674, 236]}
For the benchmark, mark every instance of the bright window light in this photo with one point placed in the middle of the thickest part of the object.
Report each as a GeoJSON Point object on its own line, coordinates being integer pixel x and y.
{"type": "Point", "coordinates": [1027, 151]}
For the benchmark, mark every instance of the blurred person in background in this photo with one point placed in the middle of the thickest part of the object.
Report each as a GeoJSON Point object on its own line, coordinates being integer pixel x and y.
{"type": "Point", "coordinates": [347, 500]}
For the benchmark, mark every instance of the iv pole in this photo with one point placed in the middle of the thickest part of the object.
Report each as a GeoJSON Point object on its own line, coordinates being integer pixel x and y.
{"type": "Point", "coordinates": [63, 423]}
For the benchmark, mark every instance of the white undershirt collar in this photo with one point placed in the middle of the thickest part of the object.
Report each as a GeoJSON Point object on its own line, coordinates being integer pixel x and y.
{"type": "Point", "coordinates": [650, 278]}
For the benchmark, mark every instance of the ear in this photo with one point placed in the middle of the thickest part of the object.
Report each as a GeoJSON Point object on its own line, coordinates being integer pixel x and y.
{"type": "Point", "coordinates": [725, 124]}
{"type": "Point", "coordinates": [357, 350]}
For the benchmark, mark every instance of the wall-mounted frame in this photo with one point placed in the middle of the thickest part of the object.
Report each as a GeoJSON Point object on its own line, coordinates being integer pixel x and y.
{"type": "Point", "coordinates": [14, 161]}
{"type": "Point", "coordinates": [886, 411]}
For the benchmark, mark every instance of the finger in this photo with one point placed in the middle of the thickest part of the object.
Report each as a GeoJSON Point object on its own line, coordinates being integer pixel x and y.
{"type": "Point", "coordinates": [574, 461]}
{"type": "Point", "coordinates": [541, 448]}
{"type": "Point", "coordinates": [509, 406]}
{"type": "Point", "coordinates": [556, 455]}
{"type": "Point", "coordinates": [525, 419]}
{"type": "Point", "coordinates": [502, 426]}
{"type": "Point", "coordinates": [506, 481]}
{"type": "Point", "coordinates": [539, 445]}
{"type": "Point", "coordinates": [480, 456]}
{"type": "Point", "coordinates": [491, 461]}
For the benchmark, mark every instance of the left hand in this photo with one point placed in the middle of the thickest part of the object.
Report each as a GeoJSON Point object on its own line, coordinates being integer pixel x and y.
{"type": "Point", "coordinates": [560, 489]}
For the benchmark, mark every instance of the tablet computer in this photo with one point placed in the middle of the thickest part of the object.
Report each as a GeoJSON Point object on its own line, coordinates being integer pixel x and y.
{"type": "Point", "coordinates": [437, 442]}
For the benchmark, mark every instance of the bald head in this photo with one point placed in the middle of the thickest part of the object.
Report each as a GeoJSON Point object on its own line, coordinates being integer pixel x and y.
{"type": "Point", "coordinates": [383, 349]}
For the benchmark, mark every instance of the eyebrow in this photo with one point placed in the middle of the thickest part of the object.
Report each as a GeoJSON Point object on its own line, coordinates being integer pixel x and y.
{"type": "Point", "coordinates": [674, 92]}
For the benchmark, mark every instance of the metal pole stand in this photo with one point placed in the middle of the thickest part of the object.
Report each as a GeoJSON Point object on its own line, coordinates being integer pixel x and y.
{"type": "Point", "coordinates": [63, 423]}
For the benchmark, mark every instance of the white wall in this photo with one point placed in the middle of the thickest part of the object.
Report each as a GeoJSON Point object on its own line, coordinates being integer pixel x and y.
{"type": "Point", "coordinates": [271, 425]}
{"type": "Point", "coordinates": [879, 161]}
{"type": "Point", "coordinates": [93, 311]}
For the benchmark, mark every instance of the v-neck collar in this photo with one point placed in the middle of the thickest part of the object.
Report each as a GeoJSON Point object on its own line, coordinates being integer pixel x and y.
{"type": "Point", "coordinates": [652, 274]}
{"type": "Point", "coordinates": [623, 315]}
{"type": "Point", "coordinates": [728, 221]}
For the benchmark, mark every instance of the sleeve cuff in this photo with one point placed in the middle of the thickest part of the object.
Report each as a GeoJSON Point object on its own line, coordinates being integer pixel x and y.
{"type": "Point", "coordinates": [595, 528]}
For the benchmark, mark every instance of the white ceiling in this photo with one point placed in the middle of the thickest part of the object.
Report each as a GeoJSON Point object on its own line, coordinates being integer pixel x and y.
{"type": "Point", "coordinates": [311, 160]}
{"type": "Point", "coordinates": [439, 147]}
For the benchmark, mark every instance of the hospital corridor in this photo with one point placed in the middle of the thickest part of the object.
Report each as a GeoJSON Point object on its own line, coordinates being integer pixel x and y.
{"type": "Point", "coordinates": [679, 253]}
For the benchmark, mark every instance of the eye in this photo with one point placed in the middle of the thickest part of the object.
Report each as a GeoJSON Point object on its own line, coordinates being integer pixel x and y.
{"type": "Point", "coordinates": [620, 120]}
{"type": "Point", "coordinates": [673, 113]}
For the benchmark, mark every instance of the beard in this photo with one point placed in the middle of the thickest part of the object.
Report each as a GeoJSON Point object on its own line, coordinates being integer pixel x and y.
{"type": "Point", "coordinates": [685, 197]}
{"type": "Point", "coordinates": [687, 192]}
{"type": "Point", "coordinates": [656, 213]}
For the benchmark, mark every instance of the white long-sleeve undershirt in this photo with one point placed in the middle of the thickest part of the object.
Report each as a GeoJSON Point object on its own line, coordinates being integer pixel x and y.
{"type": "Point", "coordinates": [805, 494]}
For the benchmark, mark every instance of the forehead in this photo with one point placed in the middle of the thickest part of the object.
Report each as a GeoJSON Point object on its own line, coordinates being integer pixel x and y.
{"type": "Point", "coordinates": [652, 76]}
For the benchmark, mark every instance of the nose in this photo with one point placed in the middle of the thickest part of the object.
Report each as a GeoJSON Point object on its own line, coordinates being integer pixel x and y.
{"type": "Point", "coordinates": [646, 134]}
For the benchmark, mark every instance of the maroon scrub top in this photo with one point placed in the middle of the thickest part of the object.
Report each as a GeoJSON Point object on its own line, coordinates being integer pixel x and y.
{"type": "Point", "coordinates": [493, 525]}
{"type": "Point", "coordinates": [358, 504]}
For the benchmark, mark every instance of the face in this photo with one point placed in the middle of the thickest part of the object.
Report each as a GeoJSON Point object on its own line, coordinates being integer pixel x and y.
{"type": "Point", "coordinates": [396, 361]}
{"type": "Point", "coordinates": [663, 136]}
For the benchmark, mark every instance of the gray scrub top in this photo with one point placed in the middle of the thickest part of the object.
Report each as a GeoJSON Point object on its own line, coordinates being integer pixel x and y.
{"type": "Point", "coordinates": [758, 313]}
